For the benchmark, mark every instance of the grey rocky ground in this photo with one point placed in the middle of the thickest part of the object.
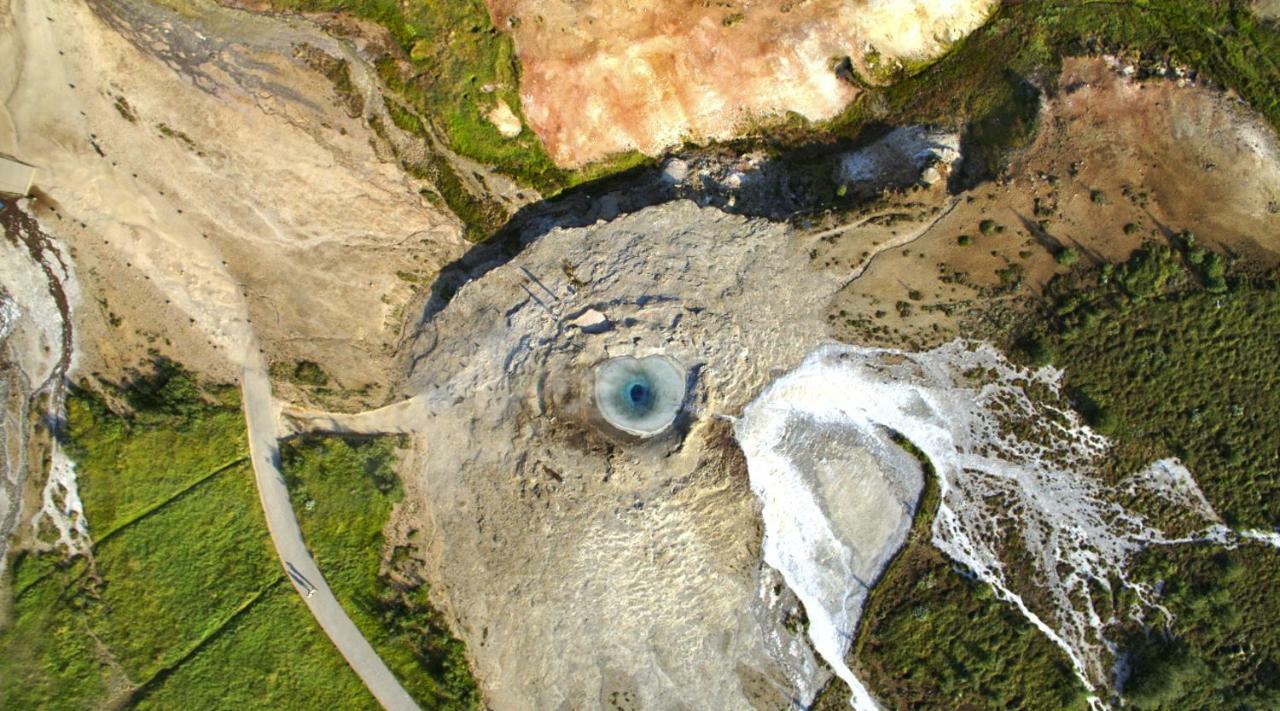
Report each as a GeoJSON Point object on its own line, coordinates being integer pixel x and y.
{"type": "Point", "coordinates": [583, 565]}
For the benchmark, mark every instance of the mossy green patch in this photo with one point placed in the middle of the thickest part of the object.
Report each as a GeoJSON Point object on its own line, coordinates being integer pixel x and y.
{"type": "Point", "coordinates": [462, 66]}
{"type": "Point", "coordinates": [343, 491]}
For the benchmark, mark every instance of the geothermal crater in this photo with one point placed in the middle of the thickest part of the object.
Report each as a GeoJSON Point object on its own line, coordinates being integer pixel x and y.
{"type": "Point", "coordinates": [639, 396]}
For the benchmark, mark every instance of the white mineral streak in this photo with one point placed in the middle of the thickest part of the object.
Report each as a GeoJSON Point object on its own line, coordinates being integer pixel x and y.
{"type": "Point", "coordinates": [60, 504]}
{"type": "Point", "coordinates": [1012, 470]}
{"type": "Point", "coordinates": [833, 515]}
{"type": "Point", "coordinates": [1169, 479]}
{"type": "Point", "coordinates": [31, 336]}
{"type": "Point", "coordinates": [9, 314]}
{"type": "Point", "coordinates": [1271, 538]}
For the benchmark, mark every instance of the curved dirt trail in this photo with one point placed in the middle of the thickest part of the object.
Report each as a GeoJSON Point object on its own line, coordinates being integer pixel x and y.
{"type": "Point", "coordinates": [286, 536]}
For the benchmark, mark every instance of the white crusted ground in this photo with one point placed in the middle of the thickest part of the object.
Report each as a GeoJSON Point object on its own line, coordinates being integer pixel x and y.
{"type": "Point", "coordinates": [1002, 488]}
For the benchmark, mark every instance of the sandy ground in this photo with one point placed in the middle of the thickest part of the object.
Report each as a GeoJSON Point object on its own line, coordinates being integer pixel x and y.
{"type": "Point", "coordinates": [205, 179]}
{"type": "Point", "coordinates": [1162, 155]}
{"type": "Point", "coordinates": [606, 76]}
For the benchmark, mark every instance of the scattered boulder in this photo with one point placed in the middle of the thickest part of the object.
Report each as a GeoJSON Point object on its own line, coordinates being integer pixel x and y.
{"type": "Point", "coordinates": [506, 121]}
{"type": "Point", "coordinates": [592, 321]}
{"type": "Point", "coordinates": [905, 156]}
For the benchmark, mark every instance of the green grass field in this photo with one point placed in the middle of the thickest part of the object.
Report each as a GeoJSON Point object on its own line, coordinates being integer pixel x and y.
{"type": "Point", "coordinates": [185, 605]}
{"type": "Point", "coordinates": [175, 604]}
{"type": "Point", "coordinates": [343, 491]}
{"type": "Point", "coordinates": [271, 656]}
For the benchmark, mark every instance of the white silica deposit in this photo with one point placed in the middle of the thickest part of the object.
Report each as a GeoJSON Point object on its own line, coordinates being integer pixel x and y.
{"type": "Point", "coordinates": [837, 502]}
{"type": "Point", "coordinates": [61, 505]}
{"type": "Point", "coordinates": [1012, 468]}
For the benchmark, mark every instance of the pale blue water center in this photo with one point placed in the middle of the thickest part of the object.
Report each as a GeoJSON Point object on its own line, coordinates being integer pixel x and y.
{"type": "Point", "coordinates": [640, 396]}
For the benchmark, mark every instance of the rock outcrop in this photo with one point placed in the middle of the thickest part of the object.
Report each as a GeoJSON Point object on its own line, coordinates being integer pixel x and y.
{"type": "Point", "coordinates": [904, 156]}
{"type": "Point", "coordinates": [602, 76]}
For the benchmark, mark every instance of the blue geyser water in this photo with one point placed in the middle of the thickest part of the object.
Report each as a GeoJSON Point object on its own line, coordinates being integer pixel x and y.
{"type": "Point", "coordinates": [640, 396]}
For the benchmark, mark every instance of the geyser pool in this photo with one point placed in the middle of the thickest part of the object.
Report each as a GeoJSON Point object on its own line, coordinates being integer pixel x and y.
{"type": "Point", "coordinates": [639, 396]}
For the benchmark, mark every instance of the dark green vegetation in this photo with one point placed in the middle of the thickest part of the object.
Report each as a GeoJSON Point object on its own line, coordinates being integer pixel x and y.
{"type": "Point", "coordinates": [184, 604]}
{"type": "Point", "coordinates": [184, 595]}
{"type": "Point", "coordinates": [932, 638]}
{"type": "Point", "coordinates": [303, 372]}
{"type": "Point", "coordinates": [1173, 356]}
{"type": "Point", "coordinates": [1222, 651]}
{"type": "Point", "coordinates": [343, 491]}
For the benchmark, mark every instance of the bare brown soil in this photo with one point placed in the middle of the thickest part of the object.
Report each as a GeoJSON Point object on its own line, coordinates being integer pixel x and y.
{"type": "Point", "coordinates": [1116, 162]}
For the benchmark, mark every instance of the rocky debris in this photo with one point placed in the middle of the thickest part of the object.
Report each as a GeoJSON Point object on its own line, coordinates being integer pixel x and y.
{"type": "Point", "coordinates": [675, 170]}
{"type": "Point", "coordinates": [1135, 65]}
{"type": "Point", "coordinates": [906, 156]}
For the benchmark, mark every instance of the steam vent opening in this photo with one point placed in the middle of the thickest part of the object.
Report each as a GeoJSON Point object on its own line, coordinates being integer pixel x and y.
{"type": "Point", "coordinates": [639, 396]}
